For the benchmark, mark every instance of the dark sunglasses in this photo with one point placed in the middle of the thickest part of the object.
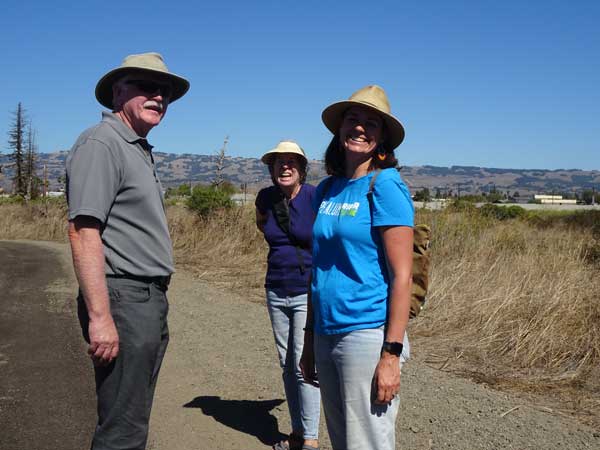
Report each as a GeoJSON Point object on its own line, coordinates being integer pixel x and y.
{"type": "Point", "coordinates": [150, 87]}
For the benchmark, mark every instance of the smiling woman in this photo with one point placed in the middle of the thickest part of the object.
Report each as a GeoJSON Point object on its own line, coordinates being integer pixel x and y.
{"type": "Point", "coordinates": [360, 289]}
{"type": "Point", "coordinates": [284, 214]}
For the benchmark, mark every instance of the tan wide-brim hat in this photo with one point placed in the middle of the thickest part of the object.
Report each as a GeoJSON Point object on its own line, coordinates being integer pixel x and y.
{"type": "Point", "coordinates": [151, 63]}
{"type": "Point", "coordinates": [283, 147]}
{"type": "Point", "coordinates": [374, 98]}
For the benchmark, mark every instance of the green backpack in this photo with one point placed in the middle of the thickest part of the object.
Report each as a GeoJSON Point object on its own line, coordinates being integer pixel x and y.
{"type": "Point", "coordinates": [421, 255]}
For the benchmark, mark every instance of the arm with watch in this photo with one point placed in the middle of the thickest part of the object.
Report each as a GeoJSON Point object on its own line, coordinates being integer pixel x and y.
{"type": "Point", "coordinates": [398, 245]}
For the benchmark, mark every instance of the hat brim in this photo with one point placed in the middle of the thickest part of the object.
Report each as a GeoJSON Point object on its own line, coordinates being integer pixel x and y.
{"type": "Point", "coordinates": [104, 92]}
{"type": "Point", "coordinates": [267, 158]}
{"type": "Point", "coordinates": [332, 118]}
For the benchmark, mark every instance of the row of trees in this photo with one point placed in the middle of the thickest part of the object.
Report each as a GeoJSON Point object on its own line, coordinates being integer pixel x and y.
{"type": "Point", "coordinates": [587, 196]}
{"type": "Point", "coordinates": [425, 195]}
{"type": "Point", "coordinates": [23, 146]}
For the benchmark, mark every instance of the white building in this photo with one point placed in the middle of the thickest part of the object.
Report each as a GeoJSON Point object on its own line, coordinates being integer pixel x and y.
{"type": "Point", "coordinates": [553, 200]}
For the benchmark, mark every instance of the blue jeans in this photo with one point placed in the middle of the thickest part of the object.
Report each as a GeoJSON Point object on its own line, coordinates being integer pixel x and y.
{"type": "Point", "coordinates": [288, 318]}
{"type": "Point", "coordinates": [346, 364]}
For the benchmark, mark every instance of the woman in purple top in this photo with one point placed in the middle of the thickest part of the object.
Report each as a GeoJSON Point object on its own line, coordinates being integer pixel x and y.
{"type": "Point", "coordinates": [285, 215]}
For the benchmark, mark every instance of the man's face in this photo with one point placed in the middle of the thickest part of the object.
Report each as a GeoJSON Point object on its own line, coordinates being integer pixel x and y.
{"type": "Point", "coordinates": [141, 100]}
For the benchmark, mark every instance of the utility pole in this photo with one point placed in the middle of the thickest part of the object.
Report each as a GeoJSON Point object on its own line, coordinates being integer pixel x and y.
{"type": "Point", "coordinates": [244, 187]}
{"type": "Point", "coordinates": [45, 180]}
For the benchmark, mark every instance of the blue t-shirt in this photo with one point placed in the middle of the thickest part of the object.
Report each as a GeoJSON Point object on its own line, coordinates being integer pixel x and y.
{"type": "Point", "coordinates": [350, 278]}
{"type": "Point", "coordinates": [283, 268]}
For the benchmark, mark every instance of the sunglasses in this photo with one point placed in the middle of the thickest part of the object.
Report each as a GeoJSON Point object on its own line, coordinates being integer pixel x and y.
{"type": "Point", "coordinates": [150, 87]}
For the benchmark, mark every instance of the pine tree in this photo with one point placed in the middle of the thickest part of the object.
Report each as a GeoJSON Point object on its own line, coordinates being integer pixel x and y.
{"type": "Point", "coordinates": [16, 144]}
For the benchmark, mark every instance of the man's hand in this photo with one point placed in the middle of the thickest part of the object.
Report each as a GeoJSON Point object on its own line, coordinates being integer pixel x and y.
{"type": "Point", "coordinates": [386, 380]}
{"type": "Point", "coordinates": [104, 340]}
{"type": "Point", "coordinates": [88, 262]}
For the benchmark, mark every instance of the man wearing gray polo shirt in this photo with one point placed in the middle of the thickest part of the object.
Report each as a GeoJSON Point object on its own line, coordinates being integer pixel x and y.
{"type": "Point", "coordinates": [121, 247]}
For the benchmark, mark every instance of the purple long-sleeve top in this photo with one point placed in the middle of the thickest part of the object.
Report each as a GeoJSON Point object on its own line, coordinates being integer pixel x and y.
{"type": "Point", "coordinates": [283, 268]}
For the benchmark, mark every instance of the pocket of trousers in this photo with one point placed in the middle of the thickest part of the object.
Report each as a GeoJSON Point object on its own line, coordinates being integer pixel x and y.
{"type": "Point", "coordinates": [133, 294]}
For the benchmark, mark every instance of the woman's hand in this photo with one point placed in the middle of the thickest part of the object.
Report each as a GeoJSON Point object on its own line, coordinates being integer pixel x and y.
{"type": "Point", "coordinates": [307, 360]}
{"type": "Point", "coordinates": [386, 380]}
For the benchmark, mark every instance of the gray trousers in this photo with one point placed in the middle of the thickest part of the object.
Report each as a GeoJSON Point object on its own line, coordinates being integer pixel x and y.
{"type": "Point", "coordinates": [125, 388]}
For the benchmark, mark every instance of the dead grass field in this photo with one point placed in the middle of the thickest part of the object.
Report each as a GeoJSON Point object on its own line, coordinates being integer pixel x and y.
{"type": "Point", "coordinates": [514, 303]}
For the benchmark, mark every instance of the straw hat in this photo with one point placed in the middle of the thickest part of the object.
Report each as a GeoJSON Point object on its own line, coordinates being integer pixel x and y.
{"type": "Point", "coordinates": [374, 98]}
{"type": "Point", "coordinates": [151, 63]}
{"type": "Point", "coordinates": [283, 147]}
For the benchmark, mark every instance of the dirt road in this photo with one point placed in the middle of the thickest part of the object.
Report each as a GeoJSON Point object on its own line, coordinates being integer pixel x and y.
{"type": "Point", "coordinates": [46, 384]}
{"type": "Point", "coordinates": [220, 386]}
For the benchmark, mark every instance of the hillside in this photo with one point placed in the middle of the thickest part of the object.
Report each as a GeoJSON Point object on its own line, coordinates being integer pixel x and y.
{"type": "Point", "coordinates": [175, 169]}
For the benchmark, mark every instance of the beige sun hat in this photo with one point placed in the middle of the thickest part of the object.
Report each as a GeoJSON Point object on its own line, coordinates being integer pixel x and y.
{"type": "Point", "coordinates": [151, 63]}
{"type": "Point", "coordinates": [374, 98]}
{"type": "Point", "coordinates": [283, 147]}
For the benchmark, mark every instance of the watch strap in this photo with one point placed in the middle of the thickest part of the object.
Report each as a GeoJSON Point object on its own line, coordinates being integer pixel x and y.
{"type": "Point", "coordinates": [393, 348]}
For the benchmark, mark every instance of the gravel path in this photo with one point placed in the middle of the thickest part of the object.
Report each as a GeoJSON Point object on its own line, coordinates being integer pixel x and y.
{"type": "Point", "coordinates": [220, 385]}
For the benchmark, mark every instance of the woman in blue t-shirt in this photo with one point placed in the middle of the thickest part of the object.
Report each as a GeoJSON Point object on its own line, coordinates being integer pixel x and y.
{"type": "Point", "coordinates": [284, 214]}
{"type": "Point", "coordinates": [361, 276]}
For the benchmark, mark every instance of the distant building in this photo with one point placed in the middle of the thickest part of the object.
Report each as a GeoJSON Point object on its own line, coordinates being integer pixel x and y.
{"type": "Point", "coordinates": [553, 200]}
{"type": "Point", "coordinates": [242, 199]}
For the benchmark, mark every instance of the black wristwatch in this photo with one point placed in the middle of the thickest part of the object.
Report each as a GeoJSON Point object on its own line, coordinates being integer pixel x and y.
{"type": "Point", "coordinates": [393, 348]}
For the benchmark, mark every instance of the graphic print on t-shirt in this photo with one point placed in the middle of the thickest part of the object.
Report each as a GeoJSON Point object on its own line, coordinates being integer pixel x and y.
{"type": "Point", "coordinates": [330, 208]}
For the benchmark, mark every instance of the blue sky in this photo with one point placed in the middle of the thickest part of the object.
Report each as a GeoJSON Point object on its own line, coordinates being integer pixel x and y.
{"type": "Point", "coordinates": [508, 84]}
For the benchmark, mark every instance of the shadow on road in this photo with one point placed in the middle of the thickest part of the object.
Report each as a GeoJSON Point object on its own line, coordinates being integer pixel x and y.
{"type": "Point", "coordinates": [248, 416]}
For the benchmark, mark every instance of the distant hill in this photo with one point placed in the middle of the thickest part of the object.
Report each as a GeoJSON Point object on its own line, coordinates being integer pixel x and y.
{"type": "Point", "coordinates": [175, 169]}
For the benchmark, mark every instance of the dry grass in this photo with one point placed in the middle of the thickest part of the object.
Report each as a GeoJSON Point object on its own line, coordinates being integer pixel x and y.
{"type": "Point", "coordinates": [224, 249]}
{"type": "Point", "coordinates": [37, 221]}
{"type": "Point", "coordinates": [519, 301]}
{"type": "Point", "coordinates": [514, 300]}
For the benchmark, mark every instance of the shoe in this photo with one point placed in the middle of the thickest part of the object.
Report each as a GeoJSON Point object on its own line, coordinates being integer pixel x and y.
{"type": "Point", "coordinates": [292, 443]}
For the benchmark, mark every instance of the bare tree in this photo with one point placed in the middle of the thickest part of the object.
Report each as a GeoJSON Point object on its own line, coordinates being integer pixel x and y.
{"type": "Point", "coordinates": [30, 166]}
{"type": "Point", "coordinates": [16, 144]}
{"type": "Point", "coordinates": [221, 157]}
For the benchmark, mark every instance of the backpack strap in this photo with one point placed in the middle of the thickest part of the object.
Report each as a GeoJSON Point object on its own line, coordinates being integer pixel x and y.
{"type": "Point", "coordinates": [281, 212]}
{"type": "Point", "coordinates": [370, 198]}
{"type": "Point", "coordinates": [372, 185]}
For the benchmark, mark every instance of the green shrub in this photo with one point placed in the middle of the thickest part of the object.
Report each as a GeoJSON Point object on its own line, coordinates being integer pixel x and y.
{"type": "Point", "coordinates": [460, 205]}
{"type": "Point", "coordinates": [207, 199]}
{"type": "Point", "coordinates": [502, 212]}
{"type": "Point", "coordinates": [577, 220]}
{"type": "Point", "coordinates": [12, 200]}
{"type": "Point", "coordinates": [228, 188]}
{"type": "Point", "coordinates": [183, 190]}
{"type": "Point", "coordinates": [587, 219]}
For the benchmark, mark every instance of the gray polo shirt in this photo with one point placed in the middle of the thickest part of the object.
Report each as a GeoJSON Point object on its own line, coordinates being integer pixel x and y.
{"type": "Point", "coordinates": [111, 176]}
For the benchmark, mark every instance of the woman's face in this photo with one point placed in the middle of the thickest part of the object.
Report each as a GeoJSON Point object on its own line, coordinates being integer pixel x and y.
{"type": "Point", "coordinates": [361, 130]}
{"type": "Point", "coordinates": [286, 169]}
